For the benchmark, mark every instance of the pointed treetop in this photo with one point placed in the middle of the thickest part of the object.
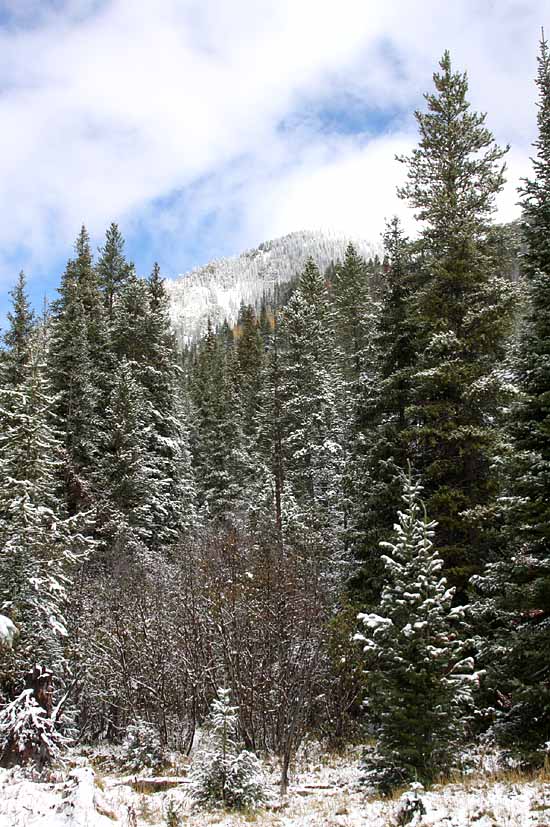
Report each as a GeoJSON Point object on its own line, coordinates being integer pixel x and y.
{"type": "Point", "coordinates": [456, 171]}
{"type": "Point", "coordinates": [17, 338]}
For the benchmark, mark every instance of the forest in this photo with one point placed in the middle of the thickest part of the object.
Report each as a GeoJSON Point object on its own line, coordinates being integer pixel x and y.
{"type": "Point", "coordinates": [330, 519]}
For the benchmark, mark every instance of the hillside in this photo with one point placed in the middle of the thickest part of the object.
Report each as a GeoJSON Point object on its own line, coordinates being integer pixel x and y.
{"type": "Point", "coordinates": [217, 289]}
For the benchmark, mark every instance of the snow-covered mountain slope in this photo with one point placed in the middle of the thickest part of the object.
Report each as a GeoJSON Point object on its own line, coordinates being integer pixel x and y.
{"type": "Point", "coordinates": [217, 289]}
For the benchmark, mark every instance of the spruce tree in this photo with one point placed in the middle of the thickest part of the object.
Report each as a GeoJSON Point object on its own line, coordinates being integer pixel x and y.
{"type": "Point", "coordinates": [250, 349]}
{"type": "Point", "coordinates": [17, 338]}
{"type": "Point", "coordinates": [380, 448]}
{"type": "Point", "coordinates": [418, 676]}
{"type": "Point", "coordinates": [351, 303]}
{"type": "Point", "coordinates": [216, 431]}
{"type": "Point", "coordinates": [223, 774]}
{"type": "Point", "coordinates": [112, 268]}
{"type": "Point", "coordinates": [516, 590]}
{"type": "Point", "coordinates": [125, 472]}
{"type": "Point", "coordinates": [78, 364]}
{"type": "Point", "coordinates": [270, 429]}
{"type": "Point", "coordinates": [39, 543]}
{"type": "Point", "coordinates": [170, 457]}
{"type": "Point", "coordinates": [312, 435]}
{"type": "Point", "coordinates": [463, 311]}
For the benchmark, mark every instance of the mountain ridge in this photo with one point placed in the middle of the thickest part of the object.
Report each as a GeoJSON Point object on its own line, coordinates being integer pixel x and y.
{"type": "Point", "coordinates": [217, 289]}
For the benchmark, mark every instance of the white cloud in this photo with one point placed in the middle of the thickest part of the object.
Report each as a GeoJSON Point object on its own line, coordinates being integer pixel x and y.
{"type": "Point", "coordinates": [108, 106]}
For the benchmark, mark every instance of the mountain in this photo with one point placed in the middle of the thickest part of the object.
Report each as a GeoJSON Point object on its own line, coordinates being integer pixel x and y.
{"type": "Point", "coordinates": [217, 289]}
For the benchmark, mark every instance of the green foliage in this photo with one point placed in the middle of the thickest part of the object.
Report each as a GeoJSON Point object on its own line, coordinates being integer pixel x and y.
{"type": "Point", "coordinates": [514, 609]}
{"type": "Point", "coordinates": [223, 775]}
{"type": "Point", "coordinates": [380, 447]}
{"type": "Point", "coordinates": [142, 748]}
{"type": "Point", "coordinates": [419, 677]}
{"type": "Point", "coordinates": [463, 313]}
{"type": "Point", "coordinates": [39, 543]}
{"type": "Point", "coordinates": [17, 338]}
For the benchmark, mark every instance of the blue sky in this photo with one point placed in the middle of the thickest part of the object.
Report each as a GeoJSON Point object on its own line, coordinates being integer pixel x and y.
{"type": "Point", "coordinates": [204, 127]}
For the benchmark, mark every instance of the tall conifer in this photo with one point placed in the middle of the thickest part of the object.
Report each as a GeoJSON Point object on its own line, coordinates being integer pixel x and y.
{"type": "Point", "coordinates": [464, 314]}
{"type": "Point", "coordinates": [516, 590]}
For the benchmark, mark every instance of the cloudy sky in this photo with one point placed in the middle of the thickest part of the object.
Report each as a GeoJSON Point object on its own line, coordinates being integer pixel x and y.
{"type": "Point", "coordinates": [204, 127]}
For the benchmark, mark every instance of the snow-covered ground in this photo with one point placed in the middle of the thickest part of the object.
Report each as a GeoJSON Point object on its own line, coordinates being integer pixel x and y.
{"type": "Point", "coordinates": [323, 792]}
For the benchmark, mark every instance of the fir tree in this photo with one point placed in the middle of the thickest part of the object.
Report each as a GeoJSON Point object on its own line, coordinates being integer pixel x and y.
{"type": "Point", "coordinates": [418, 678]}
{"type": "Point", "coordinates": [169, 448]}
{"type": "Point", "coordinates": [351, 297]}
{"type": "Point", "coordinates": [130, 321]}
{"type": "Point", "coordinates": [270, 429]}
{"type": "Point", "coordinates": [463, 312]}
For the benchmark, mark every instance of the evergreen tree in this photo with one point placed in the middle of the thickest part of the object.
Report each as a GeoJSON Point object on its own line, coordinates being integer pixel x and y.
{"type": "Point", "coordinates": [78, 364]}
{"type": "Point", "coordinates": [270, 429]}
{"type": "Point", "coordinates": [250, 349]}
{"type": "Point", "coordinates": [418, 678]}
{"type": "Point", "coordinates": [112, 268]}
{"type": "Point", "coordinates": [380, 446]}
{"type": "Point", "coordinates": [217, 440]}
{"type": "Point", "coordinates": [351, 298]}
{"type": "Point", "coordinates": [39, 544]}
{"type": "Point", "coordinates": [17, 338]}
{"type": "Point", "coordinates": [125, 471]}
{"type": "Point", "coordinates": [312, 438]}
{"type": "Point", "coordinates": [516, 589]}
{"type": "Point", "coordinates": [225, 775]}
{"type": "Point", "coordinates": [169, 446]}
{"type": "Point", "coordinates": [463, 312]}
{"type": "Point", "coordinates": [130, 321]}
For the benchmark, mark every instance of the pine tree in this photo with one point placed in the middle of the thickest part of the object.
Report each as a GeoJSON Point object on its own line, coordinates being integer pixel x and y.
{"type": "Point", "coordinates": [463, 312]}
{"type": "Point", "coordinates": [270, 430]}
{"type": "Point", "coordinates": [516, 589]}
{"type": "Point", "coordinates": [418, 678]}
{"type": "Point", "coordinates": [130, 320]}
{"type": "Point", "coordinates": [352, 304]}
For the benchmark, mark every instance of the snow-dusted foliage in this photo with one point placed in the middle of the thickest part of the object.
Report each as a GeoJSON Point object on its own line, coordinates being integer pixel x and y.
{"type": "Point", "coordinates": [419, 677]}
{"type": "Point", "coordinates": [29, 735]}
{"type": "Point", "coordinates": [217, 290]}
{"type": "Point", "coordinates": [142, 748]}
{"type": "Point", "coordinates": [514, 610]}
{"type": "Point", "coordinates": [8, 631]}
{"type": "Point", "coordinates": [411, 807]}
{"type": "Point", "coordinates": [223, 775]}
{"type": "Point", "coordinates": [39, 543]}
